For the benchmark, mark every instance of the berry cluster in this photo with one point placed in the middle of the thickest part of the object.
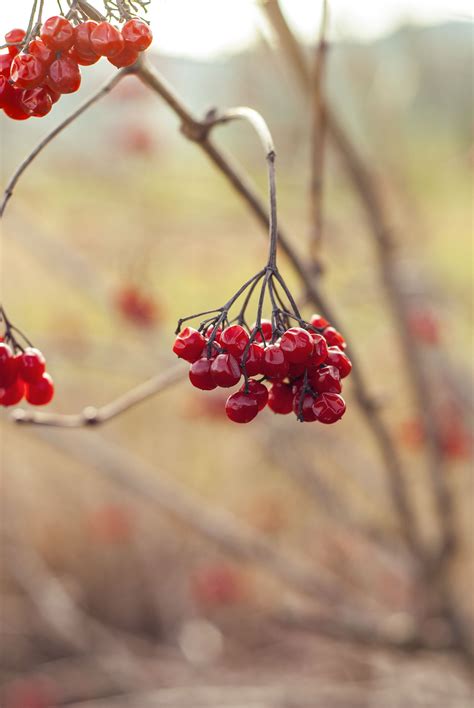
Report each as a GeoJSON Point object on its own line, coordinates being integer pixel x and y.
{"type": "Point", "coordinates": [22, 370]}
{"type": "Point", "coordinates": [35, 72]}
{"type": "Point", "coordinates": [304, 367]}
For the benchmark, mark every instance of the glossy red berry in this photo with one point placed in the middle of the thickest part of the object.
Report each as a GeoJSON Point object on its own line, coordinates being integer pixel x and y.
{"type": "Point", "coordinates": [44, 54]}
{"type": "Point", "coordinates": [234, 339]}
{"type": "Point", "coordinates": [57, 33]}
{"type": "Point", "coordinates": [297, 345]}
{"type": "Point", "coordinates": [241, 407]}
{"type": "Point", "coordinates": [329, 408]}
{"type": "Point", "coordinates": [189, 344]}
{"type": "Point", "coordinates": [13, 394]}
{"type": "Point", "coordinates": [127, 57]}
{"type": "Point", "coordinates": [274, 364]}
{"type": "Point", "coordinates": [280, 398]}
{"type": "Point", "coordinates": [8, 366]}
{"type": "Point", "coordinates": [27, 71]}
{"type": "Point", "coordinates": [64, 75]}
{"type": "Point", "coordinates": [82, 59]}
{"type": "Point", "coordinates": [259, 392]}
{"type": "Point", "coordinates": [37, 102]}
{"type": "Point", "coordinates": [303, 407]}
{"type": "Point", "coordinates": [82, 37]}
{"type": "Point", "coordinates": [137, 35]}
{"type": "Point", "coordinates": [13, 106]}
{"type": "Point", "coordinates": [5, 64]}
{"type": "Point", "coordinates": [252, 360]}
{"type": "Point", "coordinates": [15, 36]}
{"type": "Point", "coordinates": [225, 370]}
{"type": "Point", "coordinates": [340, 360]}
{"type": "Point", "coordinates": [334, 338]}
{"type": "Point", "coordinates": [266, 327]}
{"type": "Point", "coordinates": [200, 374]}
{"type": "Point", "coordinates": [32, 365]}
{"type": "Point", "coordinates": [210, 330]}
{"type": "Point", "coordinates": [318, 321]}
{"type": "Point", "coordinates": [41, 391]}
{"type": "Point", "coordinates": [320, 351]}
{"type": "Point", "coordinates": [327, 379]}
{"type": "Point", "coordinates": [106, 40]}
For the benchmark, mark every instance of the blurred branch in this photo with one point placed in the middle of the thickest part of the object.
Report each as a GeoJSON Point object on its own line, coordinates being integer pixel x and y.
{"type": "Point", "coordinates": [95, 416]}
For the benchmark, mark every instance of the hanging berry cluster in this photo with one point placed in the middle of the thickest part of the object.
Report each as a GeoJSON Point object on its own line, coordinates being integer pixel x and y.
{"type": "Point", "coordinates": [36, 72]}
{"type": "Point", "coordinates": [22, 369]}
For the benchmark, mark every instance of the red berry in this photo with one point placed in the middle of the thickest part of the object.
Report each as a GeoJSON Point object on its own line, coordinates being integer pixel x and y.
{"type": "Point", "coordinates": [27, 71]}
{"type": "Point", "coordinates": [64, 75]}
{"type": "Point", "coordinates": [41, 391]}
{"type": "Point", "coordinates": [303, 407]}
{"type": "Point", "coordinates": [82, 59]}
{"type": "Point", "coordinates": [12, 104]}
{"type": "Point", "coordinates": [241, 407]}
{"type": "Point", "coordinates": [297, 345]}
{"type": "Point", "coordinates": [267, 329]}
{"type": "Point", "coordinates": [280, 398]}
{"type": "Point", "coordinates": [225, 370]}
{"type": "Point", "coordinates": [5, 64]}
{"type": "Point", "coordinates": [210, 330]}
{"type": "Point", "coordinates": [234, 339]}
{"type": "Point", "coordinates": [82, 37]}
{"type": "Point", "coordinates": [13, 394]}
{"type": "Point", "coordinates": [106, 40]}
{"type": "Point", "coordinates": [32, 365]}
{"type": "Point", "coordinates": [334, 338]}
{"type": "Point", "coordinates": [8, 366]}
{"type": "Point", "coordinates": [340, 360]}
{"type": "Point", "coordinates": [37, 102]}
{"type": "Point", "coordinates": [259, 392]}
{"type": "Point", "coordinates": [329, 408]}
{"type": "Point", "coordinates": [38, 49]}
{"type": "Point", "coordinates": [200, 374]}
{"type": "Point", "coordinates": [251, 361]}
{"type": "Point", "coordinates": [274, 364]}
{"type": "Point", "coordinates": [126, 57]}
{"type": "Point", "coordinates": [189, 344]}
{"type": "Point", "coordinates": [318, 321]}
{"type": "Point", "coordinates": [137, 35]}
{"type": "Point", "coordinates": [5, 91]}
{"type": "Point", "coordinates": [320, 351]}
{"type": "Point", "coordinates": [15, 36]}
{"type": "Point", "coordinates": [57, 33]}
{"type": "Point", "coordinates": [55, 95]}
{"type": "Point", "coordinates": [326, 380]}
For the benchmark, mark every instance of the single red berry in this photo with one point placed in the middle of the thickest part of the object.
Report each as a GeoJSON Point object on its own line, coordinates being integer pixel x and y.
{"type": "Point", "coordinates": [5, 64]}
{"type": "Point", "coordinates": [340, 360]}
{"type": "Point", "coordinates": [189, 344]}
{"type": "Point", "coordinates": [274, 364]}
{"type": "Point", "coordinates": [334, 338]}
{"type": "Point", "coordinates": [38, 49]}
{"type": "Point", "coordinates": [32, 365]}
{"type": "Point", "coordinates": [106, 40]}
{"type": "Point", "coordinates": [297, 345]}
{"type": "Point", "coordinates": [137, 35]}
{"type": "Point", "coordinates": [258, 391]}
{"type": "Point", "coordinates": [303, 407]}
{"type": "Point", "coordinates": [13, 394]}
{"type": "Point", "coordinates": [27, 71]}
{"type": "Point", "coordinates": [280, 398]}
{"type": "Point", "coordinates": [210, 330]}
{"type": "Point", "coordinates": [251, 361]}
{"type": "Point", "coordinates": [126, 57]}
{"type": "Point", "coordinates": [266, 327]}
{"type": "Point", "coordinates": [15, 36]}
{"type": "Point", "coordinates": [82, 59]}
{"type": "Point", "coordinates": [83, 37]}
{"type": "Point", "coordinates": [326, 380]}
{"type": "Point", "coordinates": [64, 75]}
{"type": "Point", "coordinates": [241, 407]}
{"type": "Point", "coordinates": [37, 102]}
{"type": "Point", "coordinates": [234, 339]}
{"type": "Point", "coordinates": [12, 104]}
{"type": "Point", "coordinates": [57, 33]}
{"type": "Point", "coordinates": [200, 374]}
{"type": "Point", "coordinates": [329, 408]}
{"type": "Point", "coordinates": [225, 370]}
{"type": "Point", "coordinates": [8, 366]}
{"type": "Point", "coordinates": [320, 351]}
{"type": "Point", "coordinates": [41, 391]}
{"type": "Point", "coordinates": [318, 321]}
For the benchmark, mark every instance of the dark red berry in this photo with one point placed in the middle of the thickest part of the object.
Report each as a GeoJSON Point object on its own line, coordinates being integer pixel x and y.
{"type": "Point", "coordinates": [13, 394]}
{"type": "Point", "coordinates": [5, 64]}
{"type": "Point", "coordinates": [318, 321]}
{"type": "Point", "coordinates": [8, 366]}
{"type": "Point", "coordinates": [41, 391]}
{"type": "Point", "coordinates": [12, 104]}
{"type": "Point", "coordinates": [252, 360]}
{"type": "Point", "coordinates": [38, 49]}
{"type": "Point", "coordinates": [267, 329]}
{"type": "Point", "coordinates": [303, 407]}
{"type": "Point", "coordinates": [234, 339]}
{"type": "Point", "coordinates": [241, 407]}
{"type": "Point", "coordinates": [15, 36]}
{"type": "Point", "coordinates": [106, 40]}
{"type": "Point", "coordinates": [334, 338]}
{"type": "Point", "coordinates": [340, 360]}
{"type": "Point", "coordinates": [329, 408]}
{"type": "Point", "coordinates": [280, 398]}
{"type": "Point", "coordinates": [57, 33]}
{"type": "Point", "coordinates": [64, 75]}
{"type": "Point", "coordinates": [326, 380]}
{"type": "Point", "coordinates": [274, 364]}
{"type": "Point", "coordinates": [225, 370]}
{"type": "Point", "coordinates": [32, 365]}
{"type": "Point", "coordinates": [258, 391]}
{"type": "Point", "coordinates": [127, 57]}
{"type": "Point", "coordinates": [37, 102]}
{"type": "Point", "coordinates": [297, 345]}
{"type": "Point", "coordinates": [200, 374]}
{"type": "Point", "coordinates": [320, 351]}
{"type": "Point", "coordinates": [137, 35]}
{"type": "Point", "coordinates": [27, 71]}
{"type": "Point", "coordinates": [189, 344]}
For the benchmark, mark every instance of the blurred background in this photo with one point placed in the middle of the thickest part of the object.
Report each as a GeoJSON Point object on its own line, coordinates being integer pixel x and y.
{"type": "Point", "coordinates": [169, 557]}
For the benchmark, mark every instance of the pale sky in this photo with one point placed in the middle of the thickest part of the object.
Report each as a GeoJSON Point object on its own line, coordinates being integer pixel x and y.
{"type": "Point", "coordinates": [204, 28]}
